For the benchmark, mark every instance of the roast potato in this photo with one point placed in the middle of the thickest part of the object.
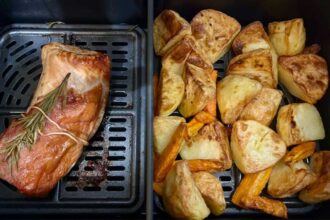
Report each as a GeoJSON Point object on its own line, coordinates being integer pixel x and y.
{"type": "Point", "coordinates": [181, 196]}
{"type": "Point", "coordinates": [214, 32]}
{"type": "Point", "coordinates": [254, 146]}
{"type": "Point", "coordinates": [286, 180]}
{"type": "Point", "coordinates": [298, 123]}
{"type": "Point", "coordinates": [199, 86]}
{"type": "Point", "coordinates": [288, 37]}
{"type": "Point", "coordinates": [305, 76]}
{"type": "Point", "coordinates": [164, 128]}
{"type": "Point", "coordinates": [319, 190]}
{"type": "Point", "coordinates": [263, 107]}
{"type": "Point", "coordinates": [169, 28]}
{"type": "Point", "coordinates": [211, 143]}
{"type": "Point", "coordinates": [234, 92]}
{"type": "Point", "coordinates": [256, 64]}
{"type": "Point", "coordinates": [211, 190]}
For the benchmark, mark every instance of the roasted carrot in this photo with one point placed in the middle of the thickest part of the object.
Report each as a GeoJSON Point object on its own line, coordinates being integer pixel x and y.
{"type": "Point", "coordinates": [211, 107]}
{"type": "Point", "coordinates": [300, 152]}
{"type": "Point", "coordinates": [211, 166]}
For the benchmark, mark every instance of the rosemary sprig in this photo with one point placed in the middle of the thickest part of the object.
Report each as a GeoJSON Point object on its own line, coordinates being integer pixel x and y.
{"type": "Point", "coordinates": [32, 124]}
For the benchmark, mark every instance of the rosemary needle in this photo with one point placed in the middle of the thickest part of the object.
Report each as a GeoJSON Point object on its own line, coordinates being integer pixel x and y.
{"type": "Point", "coordinates": [32, 124]}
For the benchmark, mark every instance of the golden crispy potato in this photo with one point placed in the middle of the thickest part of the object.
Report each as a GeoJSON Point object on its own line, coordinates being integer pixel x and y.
{"type": "Point", "coordinates": [181, 196]}
{"type": "Point", "coordinates": [288, 37]}
{"type": "Point", "coordinates": [164, 128]}
{"type": "Point", "coordinates": [305, 76]}
{"type": "Point", "coordinates": [252, 37]}
{"type": "Point", "coordinates": [171, 91]}
{"type": "Point", "coordinates": [263, 107]}
{"type": "Point", "coordinates": [211, 190]}
{"type": "Point", "coordinates": [234, 92]}
{"type": "Point", "coordinates": [286, 180]}
{"type": "Point", "coordinates": [319, 190]}
{"type": "Point", "coordinates": [199, 86]}
{"type": "Point", "coordinates": [256, 65]}
{"type": "Point", "coordinates": [214, 32]}
{"type": "Point", "coordinates": [211, 143]}
{"type": "Point", "coordinates": [255, 147]}
{"type": "Point", "coordinates": [298, 123]}
{"type": "Point", "coordinates": [169, 28]}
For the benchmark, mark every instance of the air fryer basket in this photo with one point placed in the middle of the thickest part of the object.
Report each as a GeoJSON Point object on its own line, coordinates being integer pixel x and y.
{"type": "Point", "coordinates": [109, 178]}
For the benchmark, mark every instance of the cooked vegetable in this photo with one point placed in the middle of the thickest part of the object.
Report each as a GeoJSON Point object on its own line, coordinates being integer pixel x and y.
{"type": "Point", "coordinates": [298, 123]}
{"type": "Point", "coordinates": [211, 107]}
{"type": "Point", "coordinates": [210, 166]}
{"type": "Point", "coordinates": [181, 196]}
{"type": "Point", "coordinates": [198, 122]}
{"type": "Point", "coordinates": [214, 32]}
{"type": "Point", "coordinates": [288, 37]}
{"type": "Point", "coordinates": [255, 147]}
{"type": "Point", "coordinates": [234, 92]}
{"type": "Point", "coordinates": [305, 76]}
{"type": "Point", "coordinates": [300, 152]}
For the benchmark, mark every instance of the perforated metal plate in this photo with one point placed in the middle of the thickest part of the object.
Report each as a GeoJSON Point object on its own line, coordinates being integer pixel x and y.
{"type": "Point", "coordinates": [109, 178]}
{"type": "Point", "coordinates": [231, 178]}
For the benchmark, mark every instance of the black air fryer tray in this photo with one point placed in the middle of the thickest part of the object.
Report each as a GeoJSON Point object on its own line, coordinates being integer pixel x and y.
{"type": "Point", "coordinates": [109, 177]}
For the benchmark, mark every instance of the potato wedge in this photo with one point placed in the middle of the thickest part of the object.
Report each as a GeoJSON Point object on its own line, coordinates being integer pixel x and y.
{"type": "Point", "coordinates": [214, 32]}
{"type": "Point", "coordinates": [255, 147]}
{"type": "Point", "coordinates": [169, 28]}
{"type": "Point", "coordinates": [286, 180]}
{"type": "Point", "coordinates": [263, 107]}
{"type": "Point", "coordinates": [211, 190]}
{"type": "Point", "coordinates": [164, 129]}
{"type": "Point", "coordinates": [287, 37]}
{"type": "Point", "coordinates": [234, 92]}
{"type": "Point", "coordinates": [210, 143]}
{"type": "Point", "coordinates": [318, 191]}
{"type": "Point", "coordinates": [252, 37]}
{"type": "Point", "coordinates": [255, 65]}
{"type": "Point", "coordinates": [199, 89]}
{"type": "Point", "coordinates": [298, 123]}
{"type": "Point", "coordinates": [181, 196]}
{"type": "Point", "coordinates": [305, 76]}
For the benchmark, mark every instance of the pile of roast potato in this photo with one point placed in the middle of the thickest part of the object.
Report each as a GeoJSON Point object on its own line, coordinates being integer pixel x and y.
{"type": "Point", "coordinates": [204, 124]}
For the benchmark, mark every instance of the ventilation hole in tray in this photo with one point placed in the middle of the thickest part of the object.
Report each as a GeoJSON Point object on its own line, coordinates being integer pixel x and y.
{"type": "Point", "coordinates": [37, 77]}
{"type": "Point", "coordinates": [30, 61]}
{"type": "Point", "coordinates": [26, 87]}
{"type": "Point", "coordinates": [118, 119]}
{"type": "Point", "coordinates": [11, 78]}
{"type": "Point", "coordinates": [5, 60]}
{"type": "Point", "coordinates": [18, 83]}
{"type": "Point", "coordinates": [93, 158]}
{"type": "Point", "coordinates": [116, 158]}
{"type": "Point", "coordinates": [26, 54]}
{"type": "Point", "coordinates": [119, 94]}
{"type": "Point", "coordinates": [117, 148]}
{"type": "Point", "coordinates": [92, 188]}
{"type": "Point", "coordinates": [18, 101]}
{"type": "Point", "coordinates": [98, 138]}
{"type": "Point", "coordinates": [225, 178]}
{"type": "Point", "coordinates": [117, 138]}
{"type": "Point", "coordinates": [21, 48]}
{"type": "Point", "coordinates": [121, 104]}
{"type": "Point", "coordinates": [115, 178]}
{"type": "Point", "coordinates": [119, 60]}
{"type": "Point", "coordinates": [88, 168]}
{"type": "Point", "coordinates": [4, 73]}
{"type": "Point", "coordinates": [116, 168]}
{"type": "Point", "coordinates": [9, 99]}
{"type": "Point", "coordinates": [220, 62]}
{"type": "Point", "coordinates": [116, 77]}
{"type": "Point", "coordinates": [1, 96]}
{"type": "Point", "coordinates": [119, 52]}
{"type": "Point", "coordinates": [118, 68]}
{"type": "Point", "coordinates": [11, 44]}
{"type": "Point", "coordinates": [227, 188]}
{"type": "Point", "coordinates": [71, 189]}
{"type": "Point", "coordinates": [32, 70]}
{"type": "Point", "coordinates": [117, 129]}
{"type": "Point", "coordinates": [119, 43]}
{"type": "Point", "coordinates": [72, 178]}
{"type": "Point", "coordinates": [94, 148]}
{"type": "Point", "coordinates": [75, 168]}
{"type": "Point", "coordinates": [99, 43]}
{"type": "Point", "coordinates": [80, 43]}
{"type": "Point", "coordinates": [102, 51]}
{"type": "Point", "coordinates": [6, 121]}
{"type": "Point", "coordinates": [115, 188]}
{"type": "Point", "coordinates": [119, 86]}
